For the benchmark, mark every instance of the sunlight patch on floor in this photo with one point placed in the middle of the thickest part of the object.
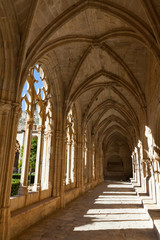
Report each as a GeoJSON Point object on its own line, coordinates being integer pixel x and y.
{"type": "Point", "coordinates": [121, 211]}
{"type": "Point", "coordinates": [96, 226]}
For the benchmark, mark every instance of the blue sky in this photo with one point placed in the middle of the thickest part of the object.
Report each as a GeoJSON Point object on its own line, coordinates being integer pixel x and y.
{"type": "Point", "coordinates": [37, 85]}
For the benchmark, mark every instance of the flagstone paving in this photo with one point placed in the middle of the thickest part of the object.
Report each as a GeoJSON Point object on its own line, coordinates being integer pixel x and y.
{"type": "Point", "coordinates": [112, 210]}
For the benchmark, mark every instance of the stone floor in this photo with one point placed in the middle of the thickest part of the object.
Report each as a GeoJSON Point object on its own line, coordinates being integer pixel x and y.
{"type": "Point", "coordinates": [110, 211]}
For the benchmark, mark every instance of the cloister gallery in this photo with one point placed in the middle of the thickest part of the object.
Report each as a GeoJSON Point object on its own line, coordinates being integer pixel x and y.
{"type": "Point", "coordinates": [92, 69]}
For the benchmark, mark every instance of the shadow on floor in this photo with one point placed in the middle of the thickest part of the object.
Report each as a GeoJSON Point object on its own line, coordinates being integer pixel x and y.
{"type": "Point", "coordinates": [111, 210]}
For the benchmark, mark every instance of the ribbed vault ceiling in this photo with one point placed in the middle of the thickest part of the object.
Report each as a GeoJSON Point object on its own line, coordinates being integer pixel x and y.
{"type": "Point", "coordinates": [96, 54]}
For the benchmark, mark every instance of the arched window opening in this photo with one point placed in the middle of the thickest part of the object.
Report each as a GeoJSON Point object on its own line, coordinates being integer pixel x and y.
{"type": "Point", "coordinates": [34, 132]}
{"type": "Point", "coordinates": [70, 150]}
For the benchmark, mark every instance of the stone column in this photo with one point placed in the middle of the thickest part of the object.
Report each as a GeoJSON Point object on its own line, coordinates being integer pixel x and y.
{"type": "Point", "coordinates": [101, 165]}
{"type": "Point", "coordinates": [44, 181]}
{"type": "Point", "coordinates": [23, 190]}
{"type": "Point", "coordinates": [73, 162]}
{"type": "Point", "coordinates": [133, 166]}
{"type": "Point", "coordinates": [93, 161]}
{"type": "Point", "coordinates": [83, 168]}
{"type": "Point", "coordinates": [63, 168]}
{"type": "Point", "coordinates": [69, 161]}
{"type": "Point", "coordinates": [89, 165]}
{"type": "Point", "coordinates": [150, 153]}
{"type": "Point", "coordinates": [51, 161]}
{"type": "Point", "coordinates": [79, 165]}
{"type": "Point", "coordinates": [137, 166]}
{"type": "Point", "coordinates": [142, 165]}
{"type": "Point", "coordinates": [39, 158]}
{"type": "Point", "coordinates": [9, 117]}
{"type": "Point", "coordinates": [85, 165]}
{"type": "Point", "coordinates": [97, 164]}
{"type": "Point", "coordinates": [47, 161]}
{"type": "Point", "coordinates": [140, 159]}
{"type": "Point", "coordinates": [146, 168]}
{"type": "Point", "coordinates": [59, 147]}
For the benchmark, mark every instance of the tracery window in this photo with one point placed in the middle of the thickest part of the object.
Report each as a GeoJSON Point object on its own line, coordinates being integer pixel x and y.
{"type": "Point", "coordinates": [70, 148]}
{"type": "Point", "coordinates": [38, 130]}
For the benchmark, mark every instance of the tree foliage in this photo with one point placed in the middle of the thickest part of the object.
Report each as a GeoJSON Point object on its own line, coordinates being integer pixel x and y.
{"type": "Point", "coordinates": [21, 157]}
{"type": "Point", "coordinates": [33, 154]}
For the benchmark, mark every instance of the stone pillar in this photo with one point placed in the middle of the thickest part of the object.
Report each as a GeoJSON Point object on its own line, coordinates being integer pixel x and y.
{"type": "Point", "coordinates": [79, 164]}
{"type": "Point", "coordinates": [69, 161]}
{"type": "Point", "coordinates": [89, 165]}
{"type": "Point", "coordinates": [50, 161]}
{"type": "Point", "coordinates": [140, 154]}
{"type": "Point", "coordinates": [97, 165]}
{"type": "Point", "coordinates": [39, 158]}
{"type": "Point", "coordinates": [23, 190]}
{"type": "Point", "coordinates": [47, 174]}
{"type": "Point", "coordinates": [63, 168]}
{"type": "Point", "coordinates": [146, 168]}
{"type": "Point", "coordinates": [75, 163]}
{"type": "Point", "coordinates": [59, 170]}
{"type": "Point", "coordinates": [73, 177]}
{"type": "Point", "coordinates": [143, 158]}
{"type": "Point", "coordinates": [83, 168]}
{"type": "Point", "coordinates": [137, 166]}
{"type": "Point", "coordinates": [44, 181]}
{"type": "Point", "coordinates": [9, 117]}
{"type": "Point", "coordinates": [150, 153]}
{"type": "Point", "coordinates": [153, 184]}
{"type": "Point", "coordinates": [85, 165]}
{"type": "Point", "coordinates": [101, 165]}
{"type": "Point", "coordinates": [93, 161]}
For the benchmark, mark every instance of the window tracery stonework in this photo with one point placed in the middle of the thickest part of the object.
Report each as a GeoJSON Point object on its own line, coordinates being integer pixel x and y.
{"type": "Point", "coordinates": [40, 99]}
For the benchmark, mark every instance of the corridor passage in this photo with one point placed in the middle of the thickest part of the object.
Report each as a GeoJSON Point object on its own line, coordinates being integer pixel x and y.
{"type": "Point", "coordinates": [110, 211]}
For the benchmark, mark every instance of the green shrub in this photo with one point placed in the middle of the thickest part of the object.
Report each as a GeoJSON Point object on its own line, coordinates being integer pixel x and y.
{"type": "Point", "coordinates": [15, 186]}
{"type": "Point", "coordinates": [16, 176]}
{"type": "Point", "coordinates": [16, 182]}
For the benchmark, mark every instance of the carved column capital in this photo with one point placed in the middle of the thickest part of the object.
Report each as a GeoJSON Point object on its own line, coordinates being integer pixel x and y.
{"type": "Point", "coordinates": [6, 106]}
{"type": "Point", "coordinates": [41, 129]}
{"type": "Point", "coordinates": [49, 132]}
{"type": "Point", "coordinates": [18, 111]}
{"type": "Point", "coordinates": [29, 122]}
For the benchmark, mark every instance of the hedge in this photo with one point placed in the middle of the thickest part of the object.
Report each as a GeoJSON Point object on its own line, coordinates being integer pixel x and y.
{"type": "Point", "coordinates": [18, 176]}
{"type": "Point", "coordinates": [16, 182]}
{"type": "Point", "coordinates": [15, 186]}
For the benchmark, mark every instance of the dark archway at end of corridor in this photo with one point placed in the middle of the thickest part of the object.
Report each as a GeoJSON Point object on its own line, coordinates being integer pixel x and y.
{"type": "Point", "coordinates": [117, 162]}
